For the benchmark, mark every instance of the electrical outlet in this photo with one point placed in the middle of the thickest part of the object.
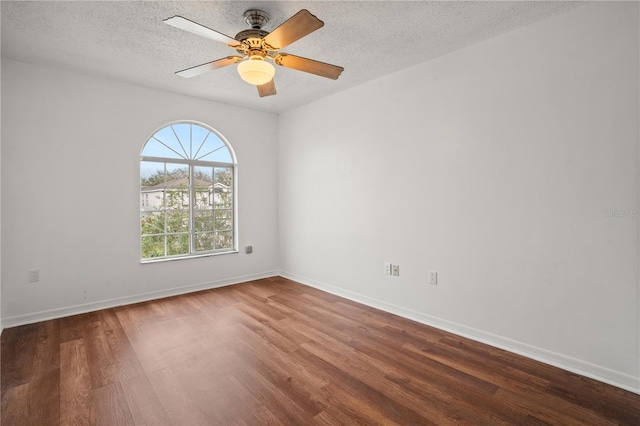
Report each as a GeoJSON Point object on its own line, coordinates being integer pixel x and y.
{"type": "Point", "coordinates": [395, 270]}
{"type": "Point", "coordinates": [387, 269]}
{"type": "Point", "coordinates": [34, 276]}
{"type": "Point", "coordinates": [433, 278]}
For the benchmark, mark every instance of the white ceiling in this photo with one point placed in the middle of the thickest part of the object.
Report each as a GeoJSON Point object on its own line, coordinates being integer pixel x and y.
{"type": "Point", "coordinates": [127, 40]}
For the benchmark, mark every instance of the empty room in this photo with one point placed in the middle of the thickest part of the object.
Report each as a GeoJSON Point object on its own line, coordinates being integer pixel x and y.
{"type": "Point", "coordinates": [320, 212]}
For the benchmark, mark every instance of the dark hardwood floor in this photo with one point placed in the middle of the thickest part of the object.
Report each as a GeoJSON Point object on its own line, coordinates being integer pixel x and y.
{"type": "Point", "coordinates": [276, 352]}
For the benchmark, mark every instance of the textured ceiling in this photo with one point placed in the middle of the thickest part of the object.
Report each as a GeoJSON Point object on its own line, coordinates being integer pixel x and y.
{"type": "Point", "coordinates": [127, 40]}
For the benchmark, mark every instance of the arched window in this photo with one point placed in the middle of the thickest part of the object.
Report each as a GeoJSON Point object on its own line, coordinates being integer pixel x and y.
{"type": "Point", "coordinates": [187, 193]}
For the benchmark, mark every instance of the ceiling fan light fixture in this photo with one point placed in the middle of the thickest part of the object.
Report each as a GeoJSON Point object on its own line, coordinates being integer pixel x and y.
{"type": "Point", "coordinates": [256, 71]}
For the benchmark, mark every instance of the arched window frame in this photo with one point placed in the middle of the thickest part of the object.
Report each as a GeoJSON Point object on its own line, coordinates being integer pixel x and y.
{"type": "Point", "coordinates": [192, 162]}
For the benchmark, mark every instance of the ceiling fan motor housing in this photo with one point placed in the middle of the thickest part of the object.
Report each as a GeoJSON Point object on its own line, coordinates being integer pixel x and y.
{"type": "Point", "coordinates": [251, 33]}
{"type": "Point", "coordinates": [255, 18]}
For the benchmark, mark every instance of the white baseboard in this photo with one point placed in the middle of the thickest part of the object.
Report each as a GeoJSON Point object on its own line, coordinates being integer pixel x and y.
{"type": "Point", "coordinates": [573, 365]}
{"type": "Point", "coordinates": [127, 300]}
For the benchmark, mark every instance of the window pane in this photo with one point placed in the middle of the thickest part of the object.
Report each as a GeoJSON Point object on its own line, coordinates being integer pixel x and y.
{"type": "Point", "coordinates": [164, 144]}
{"type": "Point", "coordinates": [152, 246]}
{"type": "Point", "coordinates": [154, 148]}
{"type": "Point", "coordinates": [223, 176]}
{"type": "Point", "coordinates": [199, 136]}
{"type": "Point", "coordinates": [183, 132]}
{"type": "Point", "coordinates": [152, 223]}
{"type": "Point", "coordinates": [214, 149]}
{"type": "Point", "coordinates": [151, 173]}
{"type": "Point", "coordinates": [203, 184]}
{"type": "Point", "coordinates": [203, 220]}
{"type": "Point", "coordinates": [204, 241]}
{"type": "Point", "coordinates": [224, 239]}
{"type": "Point", "coordinates": [221, 155]}
{"type": "Point", "coordinates": [202, 199]}
{"type": "Point", "coordinates": [177, 176]}
{"type": "Point", "coordinates": [223, 188]}
{"type": "Point", "coordinates": [223, 200]}
{"type": "Point", "coordinates": [154, 200]}
{"type": "Point", "coordinates": [177, 220]}
{"type": "Point", "coordinates": [224, 220]}
{"type": "Point", "coordinates": [203, 177]}
{"type": "Point", "coordinates": [177, 244]}
{"type": "Point", "coordinates": [177, 197]}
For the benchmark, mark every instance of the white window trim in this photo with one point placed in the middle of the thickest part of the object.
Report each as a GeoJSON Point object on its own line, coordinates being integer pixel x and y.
{"type": "Point", "coordinates": [233, 164]}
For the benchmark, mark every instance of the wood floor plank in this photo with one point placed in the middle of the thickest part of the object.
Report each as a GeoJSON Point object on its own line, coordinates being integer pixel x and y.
{"type": "Point", "coordinates": [179, 407]}
{"type": "Point", "coordinates": [111, 406]}
{"type": "Point", "coordinates": [16, 402]}
{"type": "Point", "coordinates": [143, 402]}
{"type": "Point", "coordinates": [27, 348]}
{"type": "Point", "coordinates": [103, 372]}
{"type": "Point", "coordinates": [270, 363]}
{"type": "Point", "coordinates": [348, 396]}
{"type": "Point", "coordinates": [73, 327]}
{"type": "Point", "coordinates": [421, 396]}
{"type": "Point", "coordinates": [124, 358]}
{"type": "Point", "coordinates": [271, 397]}
{"type": "Point", "coordinates": [276, 352]}
{"type": "Point", "coordinates": [31, 357]}
{"type": "Point", "coordinates": [75, 385]}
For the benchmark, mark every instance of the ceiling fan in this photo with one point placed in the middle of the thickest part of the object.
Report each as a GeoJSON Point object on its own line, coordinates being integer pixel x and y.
{"type": "Point", "coordinates": [257, 47]}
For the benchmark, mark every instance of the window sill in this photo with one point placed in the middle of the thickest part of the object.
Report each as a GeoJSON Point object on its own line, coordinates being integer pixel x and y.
{"type": "Point", "coordinates": [192, 256]}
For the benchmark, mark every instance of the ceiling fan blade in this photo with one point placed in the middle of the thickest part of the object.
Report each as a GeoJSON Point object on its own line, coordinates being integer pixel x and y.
{"type": "Point", "coordinates": [201, 30]}
{"type": "Point", "coordinates": [296, 27]}
{"type": "Point", "coordinates": [309, 65]}
{"type": "Point", "coordinates": [267, 89]}
{"type": "Point", "coordinates": [209, 66]}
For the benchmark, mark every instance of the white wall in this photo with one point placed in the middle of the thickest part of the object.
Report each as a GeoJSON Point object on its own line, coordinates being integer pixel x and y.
{"type": "Point", "coordinates": [70, 193]}
{"type": "Point", "coordinates": [1, 327]}
{"type": "Point", "coordinates": [494, 166]}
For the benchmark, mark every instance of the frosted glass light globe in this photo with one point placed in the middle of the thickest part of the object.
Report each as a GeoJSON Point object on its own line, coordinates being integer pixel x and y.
{"type": "Point", "coordinates": [256, 71]}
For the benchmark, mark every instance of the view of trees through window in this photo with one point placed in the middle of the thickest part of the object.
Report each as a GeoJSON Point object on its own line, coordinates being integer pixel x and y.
{"type": "Point", "coordinates": [186, 204]}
